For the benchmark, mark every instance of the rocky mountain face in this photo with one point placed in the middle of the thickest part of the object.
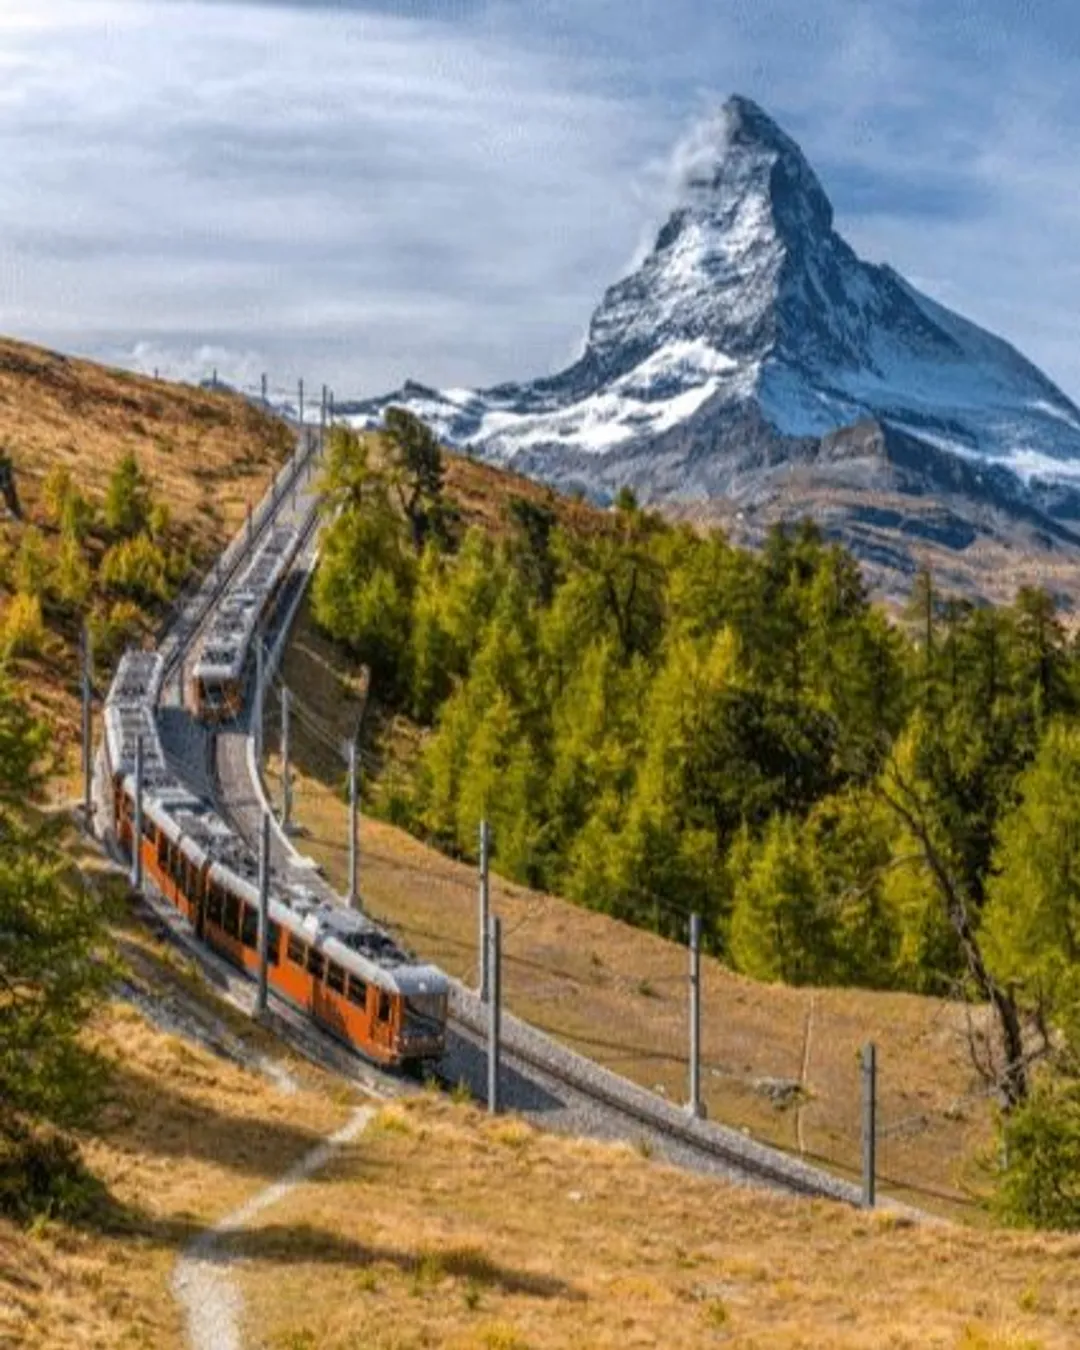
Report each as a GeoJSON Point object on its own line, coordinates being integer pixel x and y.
{"type": "Point", "coordinates": [753, 368]}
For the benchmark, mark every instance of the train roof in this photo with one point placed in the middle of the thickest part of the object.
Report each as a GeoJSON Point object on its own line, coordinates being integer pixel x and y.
{"type": "Point", "coordinates": [224, 649]}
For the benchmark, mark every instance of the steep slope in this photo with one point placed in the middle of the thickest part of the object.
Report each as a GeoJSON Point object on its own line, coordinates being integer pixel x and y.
{"type": "Point", "coordinates": [751, 339]}
{"type": "Point", "coordinates": [205, 456]}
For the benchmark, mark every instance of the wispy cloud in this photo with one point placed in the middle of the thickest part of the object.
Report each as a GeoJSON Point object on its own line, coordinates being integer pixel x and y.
{"type": "Point", "coordinates": [364, 191]}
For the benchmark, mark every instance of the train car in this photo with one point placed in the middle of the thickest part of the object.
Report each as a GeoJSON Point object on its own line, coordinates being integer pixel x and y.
{"type": "Point", "coordinates": [332, 963]}
{"type": "Point", "coordinates": [216, 686]}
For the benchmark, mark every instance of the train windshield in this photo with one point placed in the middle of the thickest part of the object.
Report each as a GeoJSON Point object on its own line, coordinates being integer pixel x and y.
{"type": "Point", "coordinates": [425, 1015]}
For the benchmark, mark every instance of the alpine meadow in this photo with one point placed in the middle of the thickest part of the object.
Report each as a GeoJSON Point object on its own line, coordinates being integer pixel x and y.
{"type": "Point", "coordinates": [657, 723]}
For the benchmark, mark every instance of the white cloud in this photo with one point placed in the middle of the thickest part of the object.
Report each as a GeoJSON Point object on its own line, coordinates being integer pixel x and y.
{"type": "Point", "coordinates": [361, 196]}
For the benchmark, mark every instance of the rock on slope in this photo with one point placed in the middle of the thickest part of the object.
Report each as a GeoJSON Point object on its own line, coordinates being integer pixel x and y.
{"type": "Point", "coordinates": [754, 368]}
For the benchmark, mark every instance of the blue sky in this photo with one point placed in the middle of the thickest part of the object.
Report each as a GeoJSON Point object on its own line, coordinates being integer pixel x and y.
{"type": "Point", "coordinates": [441, 189]}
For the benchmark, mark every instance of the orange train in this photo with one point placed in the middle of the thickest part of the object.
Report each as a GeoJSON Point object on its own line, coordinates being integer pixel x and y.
{"type": "Point", "coordinates": [347, 974]}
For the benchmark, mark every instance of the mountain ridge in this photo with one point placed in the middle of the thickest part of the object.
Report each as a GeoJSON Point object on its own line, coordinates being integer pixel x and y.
{"type": "Point", "coordinates": [752, 338]}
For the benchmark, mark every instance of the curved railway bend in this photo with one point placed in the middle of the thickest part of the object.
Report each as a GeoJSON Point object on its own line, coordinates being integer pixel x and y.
{"type": "Point", "coordinates": [544, 1080]}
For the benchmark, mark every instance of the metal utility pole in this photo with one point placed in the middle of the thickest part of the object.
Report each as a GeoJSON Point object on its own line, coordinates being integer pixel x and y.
{"type": "Point", "coordinates": [331, 407]}
{"type": "Point", "coordinates": [869, 1129]}
{"type": "Point", "coordinates": [265, 400]}
{"type": "Point", "coordinates": [484, 988]}
{"type": "Point", "coordinates": [286, 781]}
{"type": "Point", "coordinates": [87, 729]}
{"type": "Point", "coordinates": [354, 894]}
{"type": "Point", "coordinates": [257, 701]}
{"type": "Point", "coordinates": [494, 1028]}
{"type": "Point", "coordinates": [136, 842]}
{"type": "Point", "coordinates": [300, 419]}
{"type": "Point", "coordinates": [264, 912]}
{"type": "Point", "coordinates": [695, 1106]}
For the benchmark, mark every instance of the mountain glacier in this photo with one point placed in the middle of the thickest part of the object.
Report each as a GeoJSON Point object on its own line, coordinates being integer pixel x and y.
{"type": "Point", "coordinates": [752, 338]}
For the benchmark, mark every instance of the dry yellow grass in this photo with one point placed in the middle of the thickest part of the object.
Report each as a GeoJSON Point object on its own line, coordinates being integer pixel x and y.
{"type": "Point", "coordinates": [207, 456]}
{"type": "Point", "coordinates": [454, 1231]}
{"type": "Point", "coordinates": [439, 1227]}
{"type": "Point", "coordinates": [185, 1136]}
{"type": "Point", "coordinates": [619, 994]}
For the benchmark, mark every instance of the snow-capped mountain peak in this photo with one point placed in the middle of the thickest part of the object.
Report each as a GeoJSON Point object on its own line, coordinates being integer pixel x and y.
{"type": "Point", "coordinates": [750, 332]}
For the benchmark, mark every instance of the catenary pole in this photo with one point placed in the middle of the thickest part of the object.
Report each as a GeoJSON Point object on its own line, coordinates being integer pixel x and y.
{"type": "Point", "coordinates": [265, 400]}
{"type": "Point", "coordinates": [87, 728]}
{"type": "Point", "coordinates": [869, 1128]}
{"type": "Point", "coordinates": [257, 702]}
{"type": "Point", "coordinates": [494, 1027]}
{"type": "Point", "coordinates": [264, 911]}
{"type": "Point", "coordinates": [484, 986]}
{"type": "Point", "coordinates": [300, 403]}
{"type": "Point", "coordinates": [354, 894]}
{"type": "Point", "coordinates": [286, 780]}
{"type": "Point", "coordinates": [695, 1106]}
{"type": "Point", "coordinates": [136, 842]}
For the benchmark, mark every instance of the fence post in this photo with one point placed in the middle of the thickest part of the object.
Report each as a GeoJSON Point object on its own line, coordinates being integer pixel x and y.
{"type": "Point", "coordinates": [484, 982]}
{"type": "Point", "coordinates": [869, 1125]}
{"type": "Point", "coordinates": [494, 1028]}
{"type": "Point", "coordinates": [695, 1106]}
{"type": "Point", "coordinates": [136, 843]}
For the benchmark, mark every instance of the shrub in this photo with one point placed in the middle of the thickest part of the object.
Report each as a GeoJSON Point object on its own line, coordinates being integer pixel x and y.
{"type": "Point", "coordinates": [127, 501]}
{"type": "Point", "coordinates": [42, 1175]}
{"type": "Point", "coordinates": [137, 568]}
{"type": "Point", "coordinates": [22, 632]}
{"type": "Point", "coordinates": [117, 630]}
{"type": "Point", "coordinates": [1040, 1187]}
{"type": "Point", "coordinates": [32, 564]}
{"type": "Point", "coordinates": [71, 576]}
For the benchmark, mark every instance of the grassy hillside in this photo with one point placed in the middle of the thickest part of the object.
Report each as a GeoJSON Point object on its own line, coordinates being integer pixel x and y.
{"type": "Point", "coordinates": [439, 1227]}
{"type": "Point", "coordinates": [618, 994]}
{"type": "Point", "coordinates": [206, 456]}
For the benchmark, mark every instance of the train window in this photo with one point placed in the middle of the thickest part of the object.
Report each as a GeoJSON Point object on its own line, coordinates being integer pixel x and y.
{"type": "Point", "coordinates": [215, 905]}
{"type": "Point", "coordinates": [249, 930]}
{"type": "Point", "coordinates": [232, 915]}
{"type": "Point", "coordinates": [335, 977]}
{"type": "Point", "coordinates": [357, 992]}
{"type": "Point", "coordinates": [273, 943]}
{"type": "Point", "coordinates": [383, 1014]}
{"type": "Point", "coordinates": [316, 963]}
{"type": "Point", "coordinates": [297, 950]}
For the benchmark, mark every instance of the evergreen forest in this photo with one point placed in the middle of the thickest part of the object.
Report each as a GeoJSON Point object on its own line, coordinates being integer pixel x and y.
{"type": "Point", "coordinates": [657, 723]}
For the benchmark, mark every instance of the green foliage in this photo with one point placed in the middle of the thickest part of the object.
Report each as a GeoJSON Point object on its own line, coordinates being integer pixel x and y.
{"type": "Point", "coordinates": [1040, 1185]}
{"type": "Point", "coordinates": [65, 506]}
{"type": "Point", "coordinates": [50, 934]}
{"type": "Point", "coordinates": [137, 568]}
{"type": "Point", "coordinates": [22, 628]}
{"type": "Point", "coordinates": [127, 499]}
{"type": "Point", "coordinates": [118, 628]}
{"type": "Point", "coordinates": [33, 566]}
{"type": "Point", "coordinates": [656, 723]}
{"type": "Point", "coordinates": [416, 473]}
{"type": "Point", "coordinates": [72, 579]}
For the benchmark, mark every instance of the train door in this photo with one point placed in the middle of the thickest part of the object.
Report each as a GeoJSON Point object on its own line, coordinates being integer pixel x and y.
{"type": "Point", "coordinates": [382, 1028]}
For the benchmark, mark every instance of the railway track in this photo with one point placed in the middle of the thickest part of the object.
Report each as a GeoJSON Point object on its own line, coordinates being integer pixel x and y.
{"type": "Point", "coordinates": [540, 1077]}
